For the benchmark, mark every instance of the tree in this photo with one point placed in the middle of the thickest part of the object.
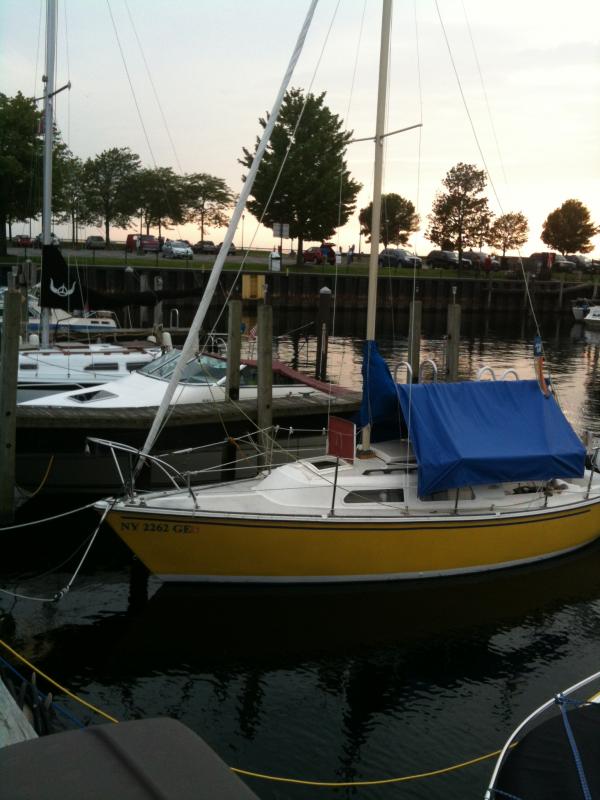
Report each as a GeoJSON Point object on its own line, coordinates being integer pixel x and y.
{"type": "Point", "coordinates": [569, 228]}
{"type": "Point", "coordinates": [398, 219]}
{"type": "Point", "coordinates": [208, 199]}
{"type": "Point", "coordinates": [69, 203]}
{"type": "Point", "coordinates": [161, 198]}
{"type": "Point", "coordinates": [460, 217]}
{"type": "Point", "coordinates": [509, 232]}
{"type": "Point", "coordinates": [20, 162]}
{"type": "Point", "coordinates": [110, 187]}
{"type": "Point", "coordinates": [314, 193]}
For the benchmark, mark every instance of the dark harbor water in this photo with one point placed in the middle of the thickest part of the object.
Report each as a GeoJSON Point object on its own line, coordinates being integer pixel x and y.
{"type": "Point", "coordinates": [328, 684]}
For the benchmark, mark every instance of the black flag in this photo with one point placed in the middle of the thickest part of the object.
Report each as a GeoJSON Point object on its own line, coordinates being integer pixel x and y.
{"type": "Point", "coordinates": [60, 286]}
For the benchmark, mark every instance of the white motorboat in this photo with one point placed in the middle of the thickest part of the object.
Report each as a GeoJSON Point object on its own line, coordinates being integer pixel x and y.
{"type": "Point", "coordinates": [95, 323]}
{"type": "Point", "coordinates": [47, 370]}
{"type": "Point", "coordinates": [592, 318]}
{"type": "Point", "coordinates": [202, 381]}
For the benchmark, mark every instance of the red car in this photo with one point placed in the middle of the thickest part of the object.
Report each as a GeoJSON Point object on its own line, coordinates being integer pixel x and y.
{"type": "Point", "coordinates": [316, 255]}
{"type": "Point", "coordinates": [22, 240]}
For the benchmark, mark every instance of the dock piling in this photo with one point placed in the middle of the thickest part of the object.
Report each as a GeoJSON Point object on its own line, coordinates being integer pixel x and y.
{"type": "Point", "coordinates": [234, 346]}
{"type": "Point", "coordinates": [414, 338]}
{"type": "Point", "coordinates": [323, 326]}
{"type": "Point", "coordinates": [265, 377]}
{"type": "Point", "coordinates": [9, 367]}
{"type": "Point", "coordinates": [453, 341]}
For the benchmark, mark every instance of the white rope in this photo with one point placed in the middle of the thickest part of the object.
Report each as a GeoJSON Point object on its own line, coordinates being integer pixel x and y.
{"type": "Point", "coordinates": [45, 519]}
{"type": "Point", "coordinates": [62, 592]}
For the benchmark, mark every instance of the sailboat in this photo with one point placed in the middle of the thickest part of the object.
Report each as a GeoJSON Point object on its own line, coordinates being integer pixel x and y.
{"type": "Point", "coordinates": [55, 305]}
{"type": "Point", "coordinates": [450, 479]}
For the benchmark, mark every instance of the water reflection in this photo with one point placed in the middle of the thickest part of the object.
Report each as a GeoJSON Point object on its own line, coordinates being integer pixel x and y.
{"type": "Point", "coordinates": [339, 682]}
{"type": "Point", "coordinates": [331, 682]}
{"type": "Point", "coordinates": [500, 341]}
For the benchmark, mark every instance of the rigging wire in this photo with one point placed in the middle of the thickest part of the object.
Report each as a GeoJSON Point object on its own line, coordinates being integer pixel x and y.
{"type": "Point", "coordinates": [68, 71]}
{"type": "Point", "coordinates": [347, 117]}
{"type": "Point", "coordinates": [483, 89]}
{"type": "Point", "coordinates": [420, 94]}
{"type": "Point", "coordinates": [270, 197]}
{"type": "Point", "coordinates": [487, 171]}
{"type": "Point", "coordinates": [156, 97]}
{"type": "Point", "coordinates": [139, 113]}
{"type": "Point", "coordinates": [466, 106]}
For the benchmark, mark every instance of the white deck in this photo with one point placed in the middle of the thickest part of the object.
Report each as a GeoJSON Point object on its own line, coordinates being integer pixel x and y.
{"type": "Point", "coordinates": [305, 489]}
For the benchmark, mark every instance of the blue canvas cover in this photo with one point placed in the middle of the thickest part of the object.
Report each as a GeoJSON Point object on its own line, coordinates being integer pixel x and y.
{"type": "Point", "coordinates": [472, 433]}
{"type": "Point", "coordinates": [379, 407]}
{"type": "Point", "coordinates": [481, 432]}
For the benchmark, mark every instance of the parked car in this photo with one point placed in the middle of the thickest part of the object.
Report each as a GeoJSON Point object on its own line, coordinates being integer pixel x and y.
{"type": "Point", "coordinates": [232, 249]}
{"type": "Point", "coordinates": [550, 260]}
{"type": "Point", "coordinates": [477, 259]}
{"type": "Point", "coordinates": [176, 249]}
{"type": "Point", "coordinates": [317, 255]}
{"type": "Point", "coordinates": [37, 242]}
{"type": "Point", "coordinates": [582, 263]}
{"type": "Point", "coordinates": [205, 246]}
{"type": "Point", "coordinates": [141, 244]}
{"type": "Point", "coordinates": [397, 257]}
{"type": "Point", "coordinates": [22, 240]}
{"type": "Point", "coordinates": [447, 259]}
{"type": "Point", "coordinates": [95, 243]}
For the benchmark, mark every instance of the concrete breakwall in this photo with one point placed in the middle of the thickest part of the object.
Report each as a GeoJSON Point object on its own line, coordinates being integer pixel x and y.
{"type": "Point", "coordinates": [295, 290]}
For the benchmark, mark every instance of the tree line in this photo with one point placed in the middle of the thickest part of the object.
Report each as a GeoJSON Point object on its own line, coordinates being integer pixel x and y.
{"type": "Point", "coordinates": [303, 181]}
{"type": "Point", "coordinates": [106, 191]}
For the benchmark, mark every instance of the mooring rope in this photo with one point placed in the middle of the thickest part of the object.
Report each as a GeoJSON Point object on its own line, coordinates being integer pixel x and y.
{"type": "Point", "coordinates": [57, 685]}
{"type": "Point", "coordinates": [265, 776]}
{"type": "Point", "coordinates": [45, 519]}
{"type": "Point", "coordinates": [62, 592]}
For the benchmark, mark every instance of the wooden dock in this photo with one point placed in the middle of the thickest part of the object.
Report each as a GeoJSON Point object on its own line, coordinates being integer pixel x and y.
{"type": "Point", "coordinates": [14, 725]}
{"type": "Point", "coordinates": [54, 453]}
{"type": "Point", "coordinates": [194, 414]}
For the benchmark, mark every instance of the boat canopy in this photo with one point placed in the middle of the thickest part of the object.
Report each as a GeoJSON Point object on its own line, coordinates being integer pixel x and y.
{"type": "Point", "coordinates": [475, 432]}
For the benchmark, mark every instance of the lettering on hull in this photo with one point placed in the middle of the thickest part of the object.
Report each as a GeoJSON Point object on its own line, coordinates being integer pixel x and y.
{"type": "Point", "coordinates": [129, 526]}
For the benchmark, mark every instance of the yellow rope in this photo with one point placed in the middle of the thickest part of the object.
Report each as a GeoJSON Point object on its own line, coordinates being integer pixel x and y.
{"type": "Point", "coordinates": [380, 782]}
{"type": "Point", "coordinates": [57, 685]}
{"type": "Point", "coordinates": [277, 778]}
{"type": "Point", "coordinates": [44, 479]}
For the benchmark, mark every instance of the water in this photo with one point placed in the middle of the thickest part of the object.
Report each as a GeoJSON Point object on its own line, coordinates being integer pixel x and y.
{"type": "Point", "coordinates": [338, 683]}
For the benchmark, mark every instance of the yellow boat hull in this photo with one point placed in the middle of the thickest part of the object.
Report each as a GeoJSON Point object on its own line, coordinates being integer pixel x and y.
{"type": "Point", "coordinates": [201, 547]}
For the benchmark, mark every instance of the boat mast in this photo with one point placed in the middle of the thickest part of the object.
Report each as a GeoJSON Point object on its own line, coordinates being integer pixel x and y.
{"type": "Point", "coordinates": [48, 142]}
{"type": "Point", "coordinates": [384, 54]}
{"type": "Point", "coordinates": [191, 343]}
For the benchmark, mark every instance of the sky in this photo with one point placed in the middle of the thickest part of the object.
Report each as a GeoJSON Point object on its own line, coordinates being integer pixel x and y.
{"type": "Point", "coordinates": [512, 87]}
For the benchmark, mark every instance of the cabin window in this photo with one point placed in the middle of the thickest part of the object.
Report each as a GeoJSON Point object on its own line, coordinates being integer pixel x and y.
{"type": "Point", "coordinates": [249, 377]}
{"type": "Point", "coordinates": [103, 366]}
{"type": "Point", "coordinates": [204, 369]}
{"type": "Point", "coordinates": [133, 366]}
{"type": "Point", "coordinates": [464, 493]}
{"type": "Point", "coordinates": [325, 463]}
{"type": "Point", "coordinates": [28, 366]}
{"type": "Point", "coordinates": [375, 496]}
{"type": "Point", "coordinates": [389, 470]}
{"type": "Point", "coordinates": [88, 397]}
